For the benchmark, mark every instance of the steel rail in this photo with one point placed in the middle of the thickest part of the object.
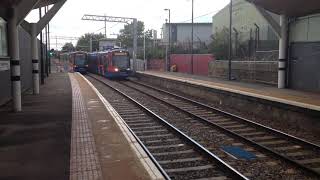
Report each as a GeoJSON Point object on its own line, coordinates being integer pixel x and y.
{"type": "Point", "coordinates": [233, 172]}
{"type": "Point", "coordinates": [162, 171]}
{"type": "Point", "coordinates": [262, 147]}
{"type": "Point", "coordinates": [296, 139]}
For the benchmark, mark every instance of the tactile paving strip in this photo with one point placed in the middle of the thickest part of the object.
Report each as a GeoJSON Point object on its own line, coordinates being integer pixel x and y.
{"type": "Point", "coordinates": [84, 162]}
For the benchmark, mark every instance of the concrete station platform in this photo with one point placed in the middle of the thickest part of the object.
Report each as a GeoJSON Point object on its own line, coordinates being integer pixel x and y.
{"type": "Point", "coordinates": [69, 132]}
{"type": "Point", "coordinates": [296, 110]}
{"type": "Point", "coordinates": [301, 99]}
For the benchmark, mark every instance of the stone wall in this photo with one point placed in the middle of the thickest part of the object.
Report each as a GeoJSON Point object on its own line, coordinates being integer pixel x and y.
{"type": "Point", "coordinates": [249, 71]}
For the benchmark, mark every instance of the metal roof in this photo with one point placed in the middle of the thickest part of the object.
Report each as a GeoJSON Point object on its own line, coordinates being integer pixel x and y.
{"type": "Point", "coordinates": [43, 3]}
{"type": "Point", "coordinates": [11, 3]}
{"type": "Point", "coordinates": [294, 8]}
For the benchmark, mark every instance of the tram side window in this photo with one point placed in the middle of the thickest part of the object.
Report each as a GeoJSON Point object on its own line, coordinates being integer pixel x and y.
{"type": "Point", "coordinates": [3, 38]}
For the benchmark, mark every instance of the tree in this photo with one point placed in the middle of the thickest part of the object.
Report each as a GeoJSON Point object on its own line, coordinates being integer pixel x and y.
{"type": "Point", "coordinates": [83, 43]}
{"type": "Point", "coordinates": [126, 34]}
{"type": "Point", "coordinates": [68, 47]}
{"type": "Point", "coordinates": [220, 44]}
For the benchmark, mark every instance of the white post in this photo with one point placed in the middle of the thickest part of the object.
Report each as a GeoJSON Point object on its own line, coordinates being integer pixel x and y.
{"type": "Point", "coordinates": [35, 58]}
{"type": "Point", "coordinates": [135, 44]}
{"type": "Point", "coordinates": [283, 52]}
{"type": "Point", "coordinates": [15, 60]}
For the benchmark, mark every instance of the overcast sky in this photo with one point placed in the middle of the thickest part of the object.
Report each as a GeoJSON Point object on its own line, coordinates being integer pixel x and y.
{"type": "Point", "coordinates": [68, 21]}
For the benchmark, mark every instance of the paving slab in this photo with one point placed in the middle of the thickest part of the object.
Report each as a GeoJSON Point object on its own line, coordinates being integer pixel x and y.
{"type": "Point", "coordinates": [35, 143]}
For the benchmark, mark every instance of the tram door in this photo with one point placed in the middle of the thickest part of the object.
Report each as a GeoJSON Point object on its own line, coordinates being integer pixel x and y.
{"type": "Point", "coordinates": [305, 66]}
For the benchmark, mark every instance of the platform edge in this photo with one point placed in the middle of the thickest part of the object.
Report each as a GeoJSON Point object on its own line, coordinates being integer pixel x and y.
{"type": "Point", "coordinates": [241, 92]}
{"type": "Point", "coordinates": [149, 166]}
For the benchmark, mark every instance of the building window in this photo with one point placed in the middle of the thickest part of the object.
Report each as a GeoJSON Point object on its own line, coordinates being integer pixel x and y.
{"type": "Point", "coordinates": [3, 38]}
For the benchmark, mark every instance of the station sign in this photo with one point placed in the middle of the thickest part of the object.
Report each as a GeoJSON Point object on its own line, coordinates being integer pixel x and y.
{"type": "Point", "coordinates": [120, 53]}
{"type": "Point", "coordinates": [4, 65]}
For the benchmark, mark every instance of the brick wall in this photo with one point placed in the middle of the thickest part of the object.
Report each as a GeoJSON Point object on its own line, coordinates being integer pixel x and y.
{"type": "Point", "coordinates": [200, 63]}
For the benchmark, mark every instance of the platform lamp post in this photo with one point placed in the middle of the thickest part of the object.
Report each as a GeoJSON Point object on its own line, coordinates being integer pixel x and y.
{"type": "Point", "coordinates": [168, 62]}
{"type": "Point", "coordinates": [46, 46]}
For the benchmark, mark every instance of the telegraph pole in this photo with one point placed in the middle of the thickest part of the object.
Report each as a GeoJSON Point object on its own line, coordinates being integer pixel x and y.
{"type": "Point", "coordinates": [49, 45]}
{"type": "Point", "coordinates": [41, 52]}
{"type": "Point", "coordinates": [169, 40]}
{"type": "Point", "coordinates": [230, 41]}
{"type": "Point", "coordinates": [105, 27]}
{"type": "Point", "coordinates": [144, 50]}
{"type": "Point", "coordinates": [46, 51]}
{"type": "Point", "coordinates": [192, 41]}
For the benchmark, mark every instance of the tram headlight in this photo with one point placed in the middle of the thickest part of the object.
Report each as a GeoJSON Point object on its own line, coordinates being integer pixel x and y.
{"type": "Point", "coordinates": [116, 69]}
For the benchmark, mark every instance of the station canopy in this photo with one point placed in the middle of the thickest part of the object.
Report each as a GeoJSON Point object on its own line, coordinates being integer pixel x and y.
{"type": "Point", "coordinates": [42, 3]}
{"type": "Point", "coordinates": [293, 8]}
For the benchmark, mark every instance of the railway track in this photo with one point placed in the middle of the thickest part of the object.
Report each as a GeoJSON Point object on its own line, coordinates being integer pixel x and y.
{"type": "Point", "coordinates": [267, 165]}
{"type": "Point", "coordinates": [179, 156]}
{"type": "Point", "coordinates": [297, 151]}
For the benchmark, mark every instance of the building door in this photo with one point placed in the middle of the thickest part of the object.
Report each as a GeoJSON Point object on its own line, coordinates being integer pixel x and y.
{"type": "Point", "coordinates": [174, 33]}
{"type": "Point", "coordinates": [305, 66]}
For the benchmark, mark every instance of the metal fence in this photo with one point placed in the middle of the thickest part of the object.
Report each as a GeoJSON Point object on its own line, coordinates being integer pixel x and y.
{"type": "Point", "coordinates": [249, 71]}
{"type": "Point", "coordinates": [140, 65]}
{"type": "Point", "coordinates": [249, 47]}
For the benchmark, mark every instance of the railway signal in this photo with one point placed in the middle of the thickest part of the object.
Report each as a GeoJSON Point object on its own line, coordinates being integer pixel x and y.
{"type": "Point", "coordinates": [51, 53]}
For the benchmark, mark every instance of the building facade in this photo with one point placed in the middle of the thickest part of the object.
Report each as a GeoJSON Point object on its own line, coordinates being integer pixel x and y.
{"type": "Point", "coordinates": [181, 33]}
{"type": "Point", "coordinates": [3, 38]}
{"type": "Point", "coordinates": [105, 44]}
{"type": "Point", "coordinates": [246, 20]}
{"type": "Point", "coordinates": [304, 49]}
{"type": "Point", "coordinates": [302, 64]}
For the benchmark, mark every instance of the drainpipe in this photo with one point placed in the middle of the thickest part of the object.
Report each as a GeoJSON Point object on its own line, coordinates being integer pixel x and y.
{"type": "Point", "coordinates": [288, 53]}
{"type": "Point", "coordinates": [257, 39]}
{"type": "Point", "coordinates": [283, 43]}
{"type": "Point", "coordinates": [15, 60]}
{"type": "Point", "coordinates": [35, 58]}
